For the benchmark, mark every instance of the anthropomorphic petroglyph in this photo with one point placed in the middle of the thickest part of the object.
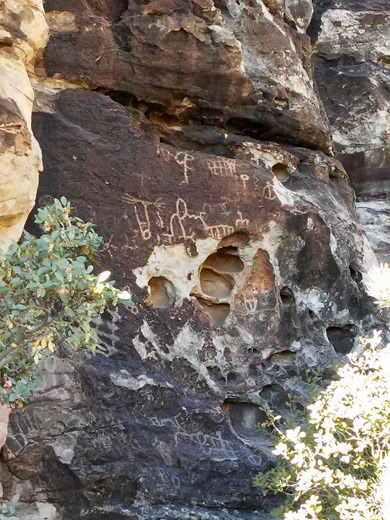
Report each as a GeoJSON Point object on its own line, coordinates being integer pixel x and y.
{"type": "Point", "coordinates": [181, 158]}
{"type": "Point", "coordinates": [269, 192]}
{"type": "Point", "coordinates": [142, 214]}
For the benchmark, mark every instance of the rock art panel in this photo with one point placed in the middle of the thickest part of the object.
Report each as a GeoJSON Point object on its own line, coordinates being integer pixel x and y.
{"type": "Point", "coordinates": [23, 33]}
{"type": "Point", "coordinates": [242, 279]}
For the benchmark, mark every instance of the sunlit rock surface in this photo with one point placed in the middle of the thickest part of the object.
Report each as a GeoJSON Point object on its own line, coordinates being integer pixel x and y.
{"type": "Point", "coordinates": [352, 66]}
{"type": "Point", "coordinates": [23, 33]}
{"type": "Point", "coordinates": [192, 134]}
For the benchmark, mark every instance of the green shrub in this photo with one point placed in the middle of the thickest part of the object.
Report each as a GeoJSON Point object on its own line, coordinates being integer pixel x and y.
{"type": "Point", "coordinates": [332, 466]}
{"type": "Point", "coordinates": [7, 508]}
{"type": "Point", "coordinates": [48, 292]}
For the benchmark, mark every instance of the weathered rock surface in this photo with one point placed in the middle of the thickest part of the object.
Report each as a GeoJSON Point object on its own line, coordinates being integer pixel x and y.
{"type": "Point", "coordinates": [23, 33]}
{"type": "Point", "coordinates": [194, 60]}
{"type": "Point", "coordinates": [246, 272]}
{"type": "Point", "coordinates": [352, 71]}
{"type": "Point", "coordinates": [202, 158]}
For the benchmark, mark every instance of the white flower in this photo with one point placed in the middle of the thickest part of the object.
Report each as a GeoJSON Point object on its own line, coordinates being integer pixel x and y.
{"type": "Point", "coordinates": [124, 295]}
{"type": "Point", "coordinates": [104, 276]}
{"type": "Point", "coordinates": [377, 282]}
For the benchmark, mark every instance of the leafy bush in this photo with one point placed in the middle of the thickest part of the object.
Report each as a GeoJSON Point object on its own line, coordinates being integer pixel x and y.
{"type": "Point", "coordinates": [331, 467]}
{"type": "Point", "coordinates": [7, 508]}
{"type": "Point", "coordinates": [48, 292]}
{"type": "Point", "coordinates": [335, 464]}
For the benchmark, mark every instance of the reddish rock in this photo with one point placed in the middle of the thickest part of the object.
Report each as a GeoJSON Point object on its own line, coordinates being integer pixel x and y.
{"type": "Point", "coordinates": [235, 65]}
{"type": "Point", "coordinates": [232, 272]}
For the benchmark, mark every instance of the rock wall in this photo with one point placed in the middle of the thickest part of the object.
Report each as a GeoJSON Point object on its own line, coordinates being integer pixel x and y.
{"type": "Point", "coordinates": [352, 71]}
{"type": "Point", "coordinates": [23, 34]}
{"type": "Point", "coordinates": [192, 133]}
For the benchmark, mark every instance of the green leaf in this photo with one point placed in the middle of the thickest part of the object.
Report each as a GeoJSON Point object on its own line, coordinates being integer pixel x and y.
{"type": "Point", "coordinates": [59, 276]}
{"type": "Point", "coordinates": [63, 263]}
{"type": "Point", "coordinates": [65, 300]}
{"type": "Point", "coordinates": [20, 307]}
{"type": "Point", "coordinates": [15, 499]}
{"type": "Point", "coordinates": [127, 303]}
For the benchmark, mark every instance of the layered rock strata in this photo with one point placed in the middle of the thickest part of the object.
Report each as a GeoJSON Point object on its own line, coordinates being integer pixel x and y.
{"type": "Point", "coordinates": [23, 34]}
{"type": "Point", "coordinates": [192, 134]}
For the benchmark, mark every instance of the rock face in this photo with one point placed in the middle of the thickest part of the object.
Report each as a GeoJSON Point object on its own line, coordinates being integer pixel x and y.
{"type": "Point", "coordinates": [23, 33]}
{"type": "Point", "coordinates": [198, 60]}
{"type": "Point", "coordinates": [352, 70]}
{"type": "Point", "coordinates": [191, 133]}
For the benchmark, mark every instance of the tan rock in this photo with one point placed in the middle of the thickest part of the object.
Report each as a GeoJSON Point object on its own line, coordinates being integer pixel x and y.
{"type": "Point", "coordinates": [23, 32]}
{"type": "Point", "coordinates": [5, 410]}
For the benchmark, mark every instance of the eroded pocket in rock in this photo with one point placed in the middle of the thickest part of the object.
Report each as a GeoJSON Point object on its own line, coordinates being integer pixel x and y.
{"type": "Point", "coordinates": [218, 311]}
{"type": "Point", "coordinates": [162, 293]}
{"type": "Point", "coordinates": [280, 171]}
{"type": "Point", "coordinates": [214, 284]}
{"type": "Point", "coordinates": [342, 338]}
{"type": "Point", "coordinates": [225, 260]}
{"type": "Point", "coordinates": [245, 417]}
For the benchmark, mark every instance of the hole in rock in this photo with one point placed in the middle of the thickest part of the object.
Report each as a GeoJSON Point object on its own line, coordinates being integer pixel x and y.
{"type": "Point", "coordinates": [225, 260]}
{"type": "Point", "coordinates": [286, 296]}
{"type": "Point", "coordinates": [280, 171]}
{"type": "Point", "coordinates": [6, 42]}
{"type": "Point", "coordinates": [384, 61]}
{"type": "Point", "coordinates": [231, 377]}
{"type": "Point", "coordinates": [162, 293]}
{"type": "Point", "coordinates": [342, 338]}
{"type": "Point", "coordinates": [245, 417]}
{"type": "Point", "coordinates": [215, 374]}
{"type": "Point", "coordinates": [119, 96]}
{"type": "Point", "coordinates": [285, 357]}
{"type": "Point", "coordinates": [276, 397]}
{"type": "Point", "coordinates": [281, 102]}
{"type": "Point", "coordinates": [356, 276]}
{"type": "Point", "coordinates": [214, 284]}
{"type": "Point", "coordinates": [218, 311]}
{"type": "Point", "coordinates": [312, 314]}
{"type": "Point", "coordinates": [238, 239]}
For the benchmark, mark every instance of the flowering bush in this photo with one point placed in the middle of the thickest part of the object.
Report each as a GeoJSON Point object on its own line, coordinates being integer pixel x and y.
{"type": "Point", "coordinates": [331, 468]}
{"type": "Point", "coordinates": [377, 284]}
{"type": "Point", "coordinates": [49, 292]}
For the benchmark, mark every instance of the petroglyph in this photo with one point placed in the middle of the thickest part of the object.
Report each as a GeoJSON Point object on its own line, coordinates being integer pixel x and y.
{"type": "Point", "coordinates": [212, 445]}
{"type": "Point", "coordinates": [248, 304]}
{"type": "Point", "coordinates": [245, 179]}
{"type": "Point", "coordinates": [141, 210]}
{"type": "Point", "coordinates": [222, 167]}
{"type": "Point", "coordinates": [219, 231]}
{"type": "Point", "coordinates": [241, 222]}
{"type": "Point", "coordinates": [181, 158]}
{"type": "Point", "coordinates": [269, 192]}
{"type": "Point", "coordinates": [183, 225]}
{"type": "Point", "coordinates": [181, 220]}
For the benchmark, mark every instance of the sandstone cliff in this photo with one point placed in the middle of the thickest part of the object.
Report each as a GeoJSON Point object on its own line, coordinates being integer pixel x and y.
{"type": "Point", "coordinates": [206, 139]}
{"type": "Point", "coordinates": [23, 33]}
